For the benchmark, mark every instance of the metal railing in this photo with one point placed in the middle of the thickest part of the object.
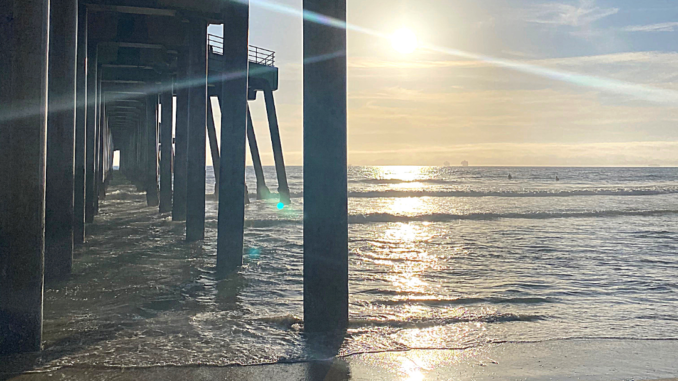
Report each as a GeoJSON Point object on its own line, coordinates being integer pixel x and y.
{"type": "Point", "coordinates": [256, 54]}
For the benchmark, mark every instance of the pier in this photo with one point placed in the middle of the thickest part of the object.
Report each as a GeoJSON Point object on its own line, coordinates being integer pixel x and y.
{"type": "Point", "coordinates": [84, 79]}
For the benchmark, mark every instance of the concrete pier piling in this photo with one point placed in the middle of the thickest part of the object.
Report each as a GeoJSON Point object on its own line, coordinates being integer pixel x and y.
{"type": "Point", "coordinates": [101, 150]}
{"type": "Point", "coordinates": [90, 150]}
{"type": "Point", "coordinates": [80, 129]}
{"type": "Point", "coordinates": [23, 134]}
{"type": "Point", "coordinates": [325, 169]}
{"type": "Point", "coordinates": [99, 145]}
{"type": "Point", "coordinates": [61, 140]}
{"type": "Point", "coordinates": [181, 140]}
{"type": "Point", "coordinates": [214, 145]}
{"type": "Point", "coordinates": [283, 188]}
{"type": "Point", "coordinates": [142, 149]}
{"type": "Point", "coordinates": [6, 32]}
{"type": "Point", "coordinates": [233, 136]}
{"type": "Point", "coordinates": [197, 129]}
{"type": "Point", "coordinates": [167, 102]}
{"type": "Point", "coordinates": [97, 140]}
{"type": "Point", "coordinates": [151, 128]}
{"type": "Point", "coordinates": [262, 189]}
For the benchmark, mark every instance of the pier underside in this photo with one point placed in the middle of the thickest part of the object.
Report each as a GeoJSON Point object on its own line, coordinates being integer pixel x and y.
{"type": "Point", "coordinates": [83, 79]}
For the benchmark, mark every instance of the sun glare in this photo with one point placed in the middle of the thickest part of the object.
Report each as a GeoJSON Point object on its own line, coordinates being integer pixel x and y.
{"type": "Point", "coordinates": [404, 41]}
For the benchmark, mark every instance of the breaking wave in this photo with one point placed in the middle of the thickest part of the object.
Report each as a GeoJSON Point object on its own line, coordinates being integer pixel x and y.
{"type": "Point", "coordinates": [443, 217]}
{"type": "Point", "coordinates": [441, 321]}
{"type": "Point", "coordinates": [534, 193]}
{"type": "Point", "coordinates": [400, 181]}
{"type": "Point", "coordinates": [512, 193]}
{"type": "Point", "coordinates": [462, 301]}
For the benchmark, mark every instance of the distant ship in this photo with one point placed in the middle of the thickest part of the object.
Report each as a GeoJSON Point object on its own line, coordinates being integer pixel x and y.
{"type": "Point", "coordinates": [464, 163]}
{"type": "Point", "coordinates": [446, 164]}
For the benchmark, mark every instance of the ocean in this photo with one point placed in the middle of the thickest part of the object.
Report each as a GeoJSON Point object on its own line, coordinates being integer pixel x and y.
{"type": "Point", "coordinates": [440, 258]}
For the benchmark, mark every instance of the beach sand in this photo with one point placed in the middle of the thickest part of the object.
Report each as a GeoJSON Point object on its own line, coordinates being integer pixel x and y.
{"type": "Point", "coordinates": [600, 359]}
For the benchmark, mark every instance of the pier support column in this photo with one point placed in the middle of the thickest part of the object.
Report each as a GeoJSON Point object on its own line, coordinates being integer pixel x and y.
{"type": "Point", "coordinates": [152, 198]}
{"type": "Point", "coordinates": [325, 170]}
{"type": "Point", "coordinates": [98, 143]}
{"type": "Point", "coordinates": [181, 140]}
{"type": "Point", "coordinates": [61, 139]}
{"type": "Point", "coordinates": [214, 145]}
{"type": "Point", "coordinates": [102, 150]}
{"type": "Point", "coordinates": [80, 129]}
{"type": "Point", "coordinates": [6, 33]}
{"type": "Point", "coordinates": [23, 135]}
{"type": "Point", "coordinates": [283, 188]}
{"type": "Point", "coordinates": [167, 101]}
{"type": "Point", "coordinates": [197, 129]}
{"type": "Point", "coordinates": [262, 189]}
{"type": "Point", "coordinates": [134, 153]}
{"type": "Point", "coordinates": [141, 148]}
{"type": "Point", "coordinates": [233, 136]}
{"type": "Point", "coordinates": [90, 152]}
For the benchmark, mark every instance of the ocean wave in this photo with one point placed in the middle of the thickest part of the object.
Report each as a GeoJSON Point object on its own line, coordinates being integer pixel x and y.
{"type": "Point", "coordinates": [263, 224]}
{"type": "Point", "coordinates": [443, 217]}
{"type": "Point", "coordinates": [296, 323]}
{"type": "Point", "coordinates": [462, 301]}
{"type": "Point", "coordinates": [440, 321]}
{"type": "Point", "coordinates": [521, 193]}
{"type": "Point", "coordinates": [507, 193]}
{"type": "Point", "coordinates": [400, 181]}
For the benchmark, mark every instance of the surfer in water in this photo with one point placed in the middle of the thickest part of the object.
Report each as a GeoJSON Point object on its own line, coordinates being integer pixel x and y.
{"type": "Point", "coordinates": [510, 177]}
{"type": "Point", "coordinates": [557, 178]}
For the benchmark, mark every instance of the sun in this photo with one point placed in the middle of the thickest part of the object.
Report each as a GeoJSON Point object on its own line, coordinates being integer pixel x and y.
{"type": "Point", "coordinates": [404, 41]}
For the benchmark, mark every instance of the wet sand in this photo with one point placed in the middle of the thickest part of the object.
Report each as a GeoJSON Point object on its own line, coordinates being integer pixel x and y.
{"type": "Point", "coordinates": [555, 360]}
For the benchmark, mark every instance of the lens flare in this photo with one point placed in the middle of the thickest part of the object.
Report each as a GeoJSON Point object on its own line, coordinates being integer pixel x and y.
{"type": "Point", "coordinates": [610, 86]}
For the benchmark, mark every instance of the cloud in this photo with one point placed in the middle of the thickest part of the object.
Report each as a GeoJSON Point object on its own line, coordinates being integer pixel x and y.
{"type": "Point", "coordinates": [563, 14]}
{"type": "Point", "coordinates": [639, 58]}
{"type": "Point", "coordinates": [662, 27]}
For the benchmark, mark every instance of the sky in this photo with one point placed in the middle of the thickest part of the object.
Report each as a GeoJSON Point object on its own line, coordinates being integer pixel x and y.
{"type": "Point", "coordinates": [493, 82]}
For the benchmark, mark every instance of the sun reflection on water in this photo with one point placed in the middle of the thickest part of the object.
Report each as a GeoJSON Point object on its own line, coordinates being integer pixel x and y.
{"type": "Point", "coordinates": [409, 176]}
{"type": "Point", "coordinates": [401, 173]}
{"type": "Point", "coordinates": [411, 369]}
{"type": "Point", "coordinates": [404, 233]}
{"type": "Point", "coordinates": [408, 205]}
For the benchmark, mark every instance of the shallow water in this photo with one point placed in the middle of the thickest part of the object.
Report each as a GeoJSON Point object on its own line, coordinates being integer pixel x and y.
{"type": "Point", "coordinates": [439, 258]}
